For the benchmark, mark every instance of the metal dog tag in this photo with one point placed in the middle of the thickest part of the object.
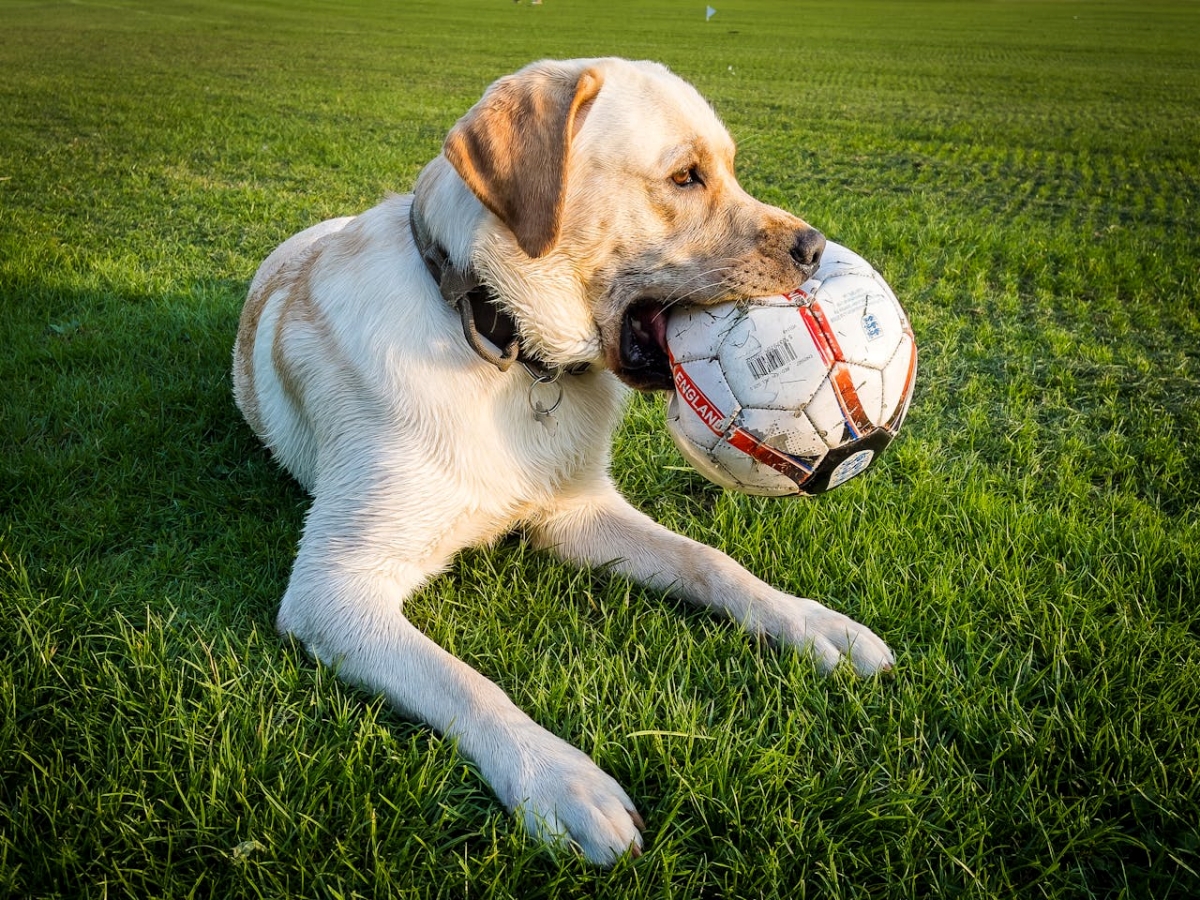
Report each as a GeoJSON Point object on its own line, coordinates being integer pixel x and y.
{"type": "Point", "coordinates": [546, 417]}
{"type": "Point", "coordinates": [541, 412]}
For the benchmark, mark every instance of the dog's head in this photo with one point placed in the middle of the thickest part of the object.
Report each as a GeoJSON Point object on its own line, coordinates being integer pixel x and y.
{"type": "Point", "coordinates": [612, 196]}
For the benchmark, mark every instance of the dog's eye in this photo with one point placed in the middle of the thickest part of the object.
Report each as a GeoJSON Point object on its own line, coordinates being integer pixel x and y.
{"type": "Point", "coordinates": [687, 177]}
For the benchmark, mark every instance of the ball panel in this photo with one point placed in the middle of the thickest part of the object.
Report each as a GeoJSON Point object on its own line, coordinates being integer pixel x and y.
{"type": "Point", "coordinates": [785, 430]}
{"type": "Point", "coordinates": [897, 378]}
{"type": "Point", "coordinates": [825, 413]}
{"type": "Point", "coordinates": [866, 322]}
{"type": "Point", "coordinates": [769, 357]}
{"type": "Point", "coordinates": [838, 258]}
{"type": "Point", "coordinates": [868, 387]}
{"type": "Point", "coordinates": [684, 424]}
{"type": "Point", "coordinates": [847, 461]}
{"type": "Point", "coordinates": [693, 333]}
{"type": "Point", "coordinates": [706, 403]}
{"type": "Point", "coordinates": [902, 379]}
{"type": "Point", "coordinates": [700, 459]}
{"type": "Point", "coordinates": [753, 476]}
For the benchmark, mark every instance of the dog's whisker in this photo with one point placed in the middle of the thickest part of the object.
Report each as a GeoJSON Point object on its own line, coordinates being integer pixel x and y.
{"type": "Point", "coordinates": [677, 295]}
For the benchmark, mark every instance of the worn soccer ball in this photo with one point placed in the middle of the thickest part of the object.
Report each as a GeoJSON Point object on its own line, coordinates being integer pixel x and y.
{"type": "Point", "coordinates": [795, 393]}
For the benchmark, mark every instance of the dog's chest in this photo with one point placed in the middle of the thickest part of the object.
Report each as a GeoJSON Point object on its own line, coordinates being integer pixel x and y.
{"type": "Point", "coordinates": [525, 442]}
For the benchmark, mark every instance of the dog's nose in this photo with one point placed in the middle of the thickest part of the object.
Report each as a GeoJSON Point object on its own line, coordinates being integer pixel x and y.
{"type": "Point", "coordinates": [807, 249]}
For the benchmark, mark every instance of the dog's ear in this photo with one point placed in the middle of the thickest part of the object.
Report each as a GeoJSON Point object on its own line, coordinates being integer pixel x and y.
{"type": "Point", "coordinates": [512, 147]}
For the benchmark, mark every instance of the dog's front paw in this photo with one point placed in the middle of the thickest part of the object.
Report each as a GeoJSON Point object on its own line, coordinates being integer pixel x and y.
{"type": "Point", "coordinates": [564, 798]}
{"type": "Point", "coordinates": [828, 637]}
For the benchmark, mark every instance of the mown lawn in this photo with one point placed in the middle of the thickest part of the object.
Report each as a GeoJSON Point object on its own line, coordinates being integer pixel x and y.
{"type": "Point", "coordinates": [1025, 174]}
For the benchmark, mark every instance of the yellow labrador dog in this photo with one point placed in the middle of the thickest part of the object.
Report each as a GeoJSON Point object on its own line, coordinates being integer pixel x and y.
{"type": "Point", "coordinates": [450, 366]}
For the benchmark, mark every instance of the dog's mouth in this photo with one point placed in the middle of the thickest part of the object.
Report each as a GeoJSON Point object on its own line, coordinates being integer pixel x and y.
{"type": "Point", "coordinates": [643, 362]}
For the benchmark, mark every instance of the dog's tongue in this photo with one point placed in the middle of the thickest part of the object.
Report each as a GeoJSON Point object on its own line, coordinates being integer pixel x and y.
{"type": "Point", "coordinates": [654, 322]}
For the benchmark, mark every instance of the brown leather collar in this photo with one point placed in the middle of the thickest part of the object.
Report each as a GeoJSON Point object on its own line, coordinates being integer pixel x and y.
{"type": "Point", "coordinates": [476, 303]}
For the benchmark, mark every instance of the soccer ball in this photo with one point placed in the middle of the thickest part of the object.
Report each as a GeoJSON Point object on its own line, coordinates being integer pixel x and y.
{"type": "Point", "coordinates": [795, 393]}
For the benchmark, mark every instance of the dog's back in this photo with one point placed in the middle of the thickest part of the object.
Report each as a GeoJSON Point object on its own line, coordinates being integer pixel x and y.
{"type": "Point", "coordinates": [256, 388]}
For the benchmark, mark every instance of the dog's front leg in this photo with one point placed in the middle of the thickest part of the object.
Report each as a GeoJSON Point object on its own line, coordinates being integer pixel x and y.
{"type": "Point", "coordinates": [347, 610]}
{"type": "Point", "coordinates": [598, 527]}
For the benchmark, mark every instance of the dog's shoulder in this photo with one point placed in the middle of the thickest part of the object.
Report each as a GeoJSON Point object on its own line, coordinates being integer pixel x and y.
{"type": "Point", "coordinates": [365, 286]}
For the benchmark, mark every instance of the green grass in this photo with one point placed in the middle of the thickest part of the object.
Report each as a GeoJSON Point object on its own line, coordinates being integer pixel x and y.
{"type": "Point", "coordinates": [1026, 174]}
